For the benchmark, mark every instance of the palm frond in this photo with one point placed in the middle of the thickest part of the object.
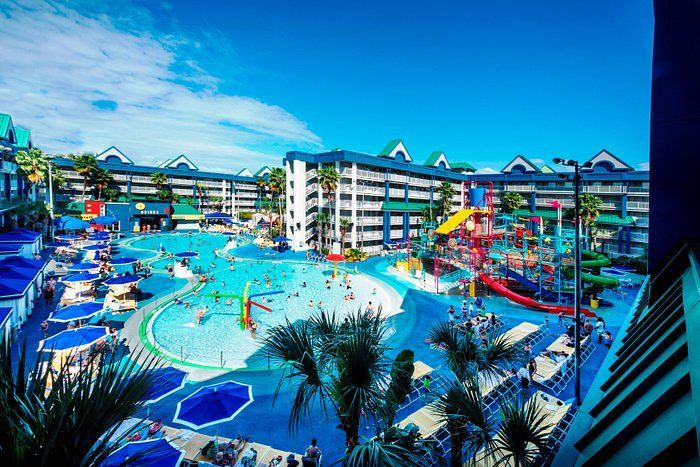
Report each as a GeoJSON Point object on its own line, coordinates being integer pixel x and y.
{"type": "Point", "coordinates": [523, 433]}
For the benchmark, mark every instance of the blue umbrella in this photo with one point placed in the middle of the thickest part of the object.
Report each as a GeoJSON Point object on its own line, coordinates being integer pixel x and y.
{"type": "Point", "coordinates": [84, 277]}
{"type": "Point", "coordinates": [153, 452]}
{"type": "Point", "coordinates": [166, 380]}
{"type": "Point", "coordinates": [213, 404]}
{"type": "Point", "coordinates": [76, 312]}
{"type": "Point", "coordinates": [56, 244]}
{"type": "Point", "coordinates": [103, 220]}
{"type": "Point", "coordinates": [80, 338]}
{"type": "Point", "coordinates": [99, 236]}
{"type": "Point", "coordinates": [68, 237]}
{"type": "Point", "coordinates": [122, 261]}
{"type": "Point", "coordinates": [281, 239]}
{"type": "Point", "coordinates": [71, 223]}
{"type": "Point", "coordinates": [123, 280]}
{"type": "Point", "coordinates": [94, 247]}
{"type": "Point", "coordinates": [83, 267]}
{"type": "Point", "coordinates": [186, 254]}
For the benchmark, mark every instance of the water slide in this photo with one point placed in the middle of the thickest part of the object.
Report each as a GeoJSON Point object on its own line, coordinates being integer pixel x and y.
{"type": "Point", "coordinates": [527, 301]}
{"type": "Point", "coordinates": [595, 260]}
{"type": "Point", "coordinates": [456, 219]}
{"type": "Point", "coordinates": [544, 293]}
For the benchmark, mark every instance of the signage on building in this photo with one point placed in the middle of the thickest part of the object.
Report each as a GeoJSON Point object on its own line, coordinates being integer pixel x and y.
{"type": "Point", "coordinates": [94, 208]}
{"type": "Point", "coordinates": [140, 206]}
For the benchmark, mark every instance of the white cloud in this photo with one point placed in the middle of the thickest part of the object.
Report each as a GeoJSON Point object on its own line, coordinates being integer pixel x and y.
{"type": "Point", "coordinates": [57, 62]}
{"type": "Point", "coordinates": [487, 170]}
{"type": "Point", "coordinates": [643, 166]}
{"type": "Point", "coordinates": [537, 161]}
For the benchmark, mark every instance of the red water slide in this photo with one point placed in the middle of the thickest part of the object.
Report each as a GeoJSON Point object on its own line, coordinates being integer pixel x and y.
{"type": "Point", "coordinates": [527, 301]}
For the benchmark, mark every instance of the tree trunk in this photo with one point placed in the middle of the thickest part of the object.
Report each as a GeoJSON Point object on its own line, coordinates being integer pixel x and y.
{"type": "Point", "coordinates": [456, 446]}
{"type": "Point", "coordinates": [84, 186]}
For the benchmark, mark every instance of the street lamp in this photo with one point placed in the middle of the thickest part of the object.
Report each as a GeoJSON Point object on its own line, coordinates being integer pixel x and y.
{"type": "Point", "coordinates": [577, 269]}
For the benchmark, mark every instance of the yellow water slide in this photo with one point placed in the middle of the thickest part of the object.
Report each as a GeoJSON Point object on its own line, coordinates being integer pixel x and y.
{"type": "Point", "coordinates": [455, 220]}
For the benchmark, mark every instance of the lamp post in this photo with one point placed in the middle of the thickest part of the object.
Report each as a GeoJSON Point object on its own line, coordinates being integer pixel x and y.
{"type": "Point", "coordinates": [51, 226]}
{"type": "Point", "coordinates": [577, 271]}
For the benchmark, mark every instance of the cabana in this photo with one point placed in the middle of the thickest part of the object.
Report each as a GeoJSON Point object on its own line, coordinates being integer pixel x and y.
{"type": "Point", "coordinates": [30, 240]}
{"type": "Point", "coordinates": [6, 322]}
{"type": "Point", "coordinates": [21, 281]}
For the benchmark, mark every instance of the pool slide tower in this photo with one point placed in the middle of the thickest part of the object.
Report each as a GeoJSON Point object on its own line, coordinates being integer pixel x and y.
{"type": "Point", "coordinates": [245, 302]}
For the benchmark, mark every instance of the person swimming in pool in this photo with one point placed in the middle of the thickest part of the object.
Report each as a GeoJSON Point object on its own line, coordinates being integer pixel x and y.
{"type": "Point", "coordinates": [199, 315]}
{"type": "Point", "coordinates": [311, 303]}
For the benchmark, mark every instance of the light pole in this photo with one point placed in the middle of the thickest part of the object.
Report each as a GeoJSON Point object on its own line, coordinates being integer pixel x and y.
{"type": "Point", "coordinates": [51, 226]}
{"type": "Point", "coordinates": [577, 271]}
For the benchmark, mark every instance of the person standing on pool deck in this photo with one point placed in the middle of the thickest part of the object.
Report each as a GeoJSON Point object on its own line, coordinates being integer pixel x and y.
{"type": "Point", "coordinates": [451, 314]}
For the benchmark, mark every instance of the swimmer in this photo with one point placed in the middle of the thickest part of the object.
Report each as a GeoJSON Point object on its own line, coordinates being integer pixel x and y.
{"type": "Point", "coordinates": [253, 328]}
{"type": "Point", "coordinates": [328, 284]}
{"type": "Point", "coordinates": [229, 301]}
{"type": "Point", "coordinates": [311, 303]}
{"type": "Point", "coordinates": [232, 267]}
{"type": "Point", "coordinates": [320, 304]}
{"type": "Point", "coordinates": [303, 284]}
{"type": "Point", "coordinates": [374, 291]}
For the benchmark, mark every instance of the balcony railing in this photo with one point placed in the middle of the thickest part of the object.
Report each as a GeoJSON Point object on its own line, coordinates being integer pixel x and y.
{"type": "Point", "coordinates": [604, 189]}
{"type": "Point", "coordinates": [641, 205]}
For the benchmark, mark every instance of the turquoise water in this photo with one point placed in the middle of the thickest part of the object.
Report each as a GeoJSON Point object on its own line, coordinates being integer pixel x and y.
{"type": "Point", "coordinates": [219, 341]}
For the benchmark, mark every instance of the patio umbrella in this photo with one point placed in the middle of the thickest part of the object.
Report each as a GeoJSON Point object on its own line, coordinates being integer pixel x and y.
{"type": "Point", "coordinates": [94, 247]}
{"type": "Point", "coordinates": [68, 237]}
{"type": "Point", "coordinates": [186, 254]}
{"type": "Point", "coordinates": [71, 223]}
{"type": "Point", "coordinates": [335, 259]}
{"type": "Point", "coordinates": [56, 244]}
{"type": "Point", "coordinates": [166, 380]}
{"type": "Point", "coordinates": [123, 280]}
{"type": "Point", "coordinates": [213, 404]}
{"type": "Point", "coordinates": [76, 312]}
{"type": "Point", "coordinates": [83, 267]}
{"type": "Point", "coordinates": [145, 452]}
{"type": "Point", "coordinates": [122, 261]}
{"type": "Point", "coordinates": [79, 339]}
{"type": "Point", "coordinates": [103, 220]}
{"type": "Point", "coordinates": [84, 277]}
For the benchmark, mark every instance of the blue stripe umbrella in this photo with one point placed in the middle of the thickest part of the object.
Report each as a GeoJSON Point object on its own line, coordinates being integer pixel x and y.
{"type": "Point", "coordinates": [68, 237]}
{"type": "Point", "coordinates": [103, 220]}
{"type": "Point", "coordinates": [122, 261]}
{"type": "Point", "coordinates": [166, 380]}
{"type": "Point", "coordinates": [281, 239]}
{"type": "Point", "coordinates": [123, 280]}
{"type": "Point", "coordinates": [186, 254]}
{"type": "Point", "coordinates": [76, 312]}
{"type": "Point", "coordinates": [213, 404]}
{"type": "Point", "coordinates": [152, 452]}
{"type": "Point", "coordinates": [94, 247]}
{"type": "Point", "coordinates": [78, 339]}
{"type": "Point", "coordinates": [71, 223]}
{"type": "Point", "coordinates": [56, 244]}
{"type": "Point", "coordinates": [83, 267]}
{"type": "Point", "coordinates": [85, 277]}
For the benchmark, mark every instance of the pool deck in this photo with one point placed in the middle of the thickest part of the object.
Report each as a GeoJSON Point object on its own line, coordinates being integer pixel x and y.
{"type": "Point", "coordinates": [420, 310]}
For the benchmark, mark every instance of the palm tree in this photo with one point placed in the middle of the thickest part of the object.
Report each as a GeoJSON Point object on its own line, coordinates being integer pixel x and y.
{"type": "Point", "coordinates": [61, 418]}
{"type": "Point", "coordinates": [345, 224]}
{"type": "Point", "coordinates": [159, 179]}
{"type": "Point", "coordinates": [334, 367]}
{"type": "Point", "coordinates": [447, 192]}
{"type": "Point", "coordinates": [396, 446]}
{"type": "Point", "coordinates": [328, 179]}
{"type": "Point", "coordinates": [34, 166]}
{"type": "Point", "coordinates": [427, 214]}
{"type": "Point", "coordinates": [321, 220]}
{"type": "Point", "coordinates": [277, 181]}
{"type": "Point", "coordinates": [86, 165]}
{"type": "Point", "coordinates": [510, 201]}
{"type": "Point", "coordinates": [101, 179]}
{"type": "Point", "coordinates": [590, 206]}
{"type": "Point", "coordinates": [58, 179]}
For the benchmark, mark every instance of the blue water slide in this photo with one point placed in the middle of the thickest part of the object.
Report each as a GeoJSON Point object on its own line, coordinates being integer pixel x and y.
{"type": "Point", "coordinates": [544, 294]}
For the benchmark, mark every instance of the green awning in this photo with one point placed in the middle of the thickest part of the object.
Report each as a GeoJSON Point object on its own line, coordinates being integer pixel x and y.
{"type": "Point", "coordinates": [538, 213]}
{"type": "Point", "coordinates": [186, 212]}
{"type": "Point", "coordinates": [400, 206]}
{"type": "Point", "coordinates": [613, 219]}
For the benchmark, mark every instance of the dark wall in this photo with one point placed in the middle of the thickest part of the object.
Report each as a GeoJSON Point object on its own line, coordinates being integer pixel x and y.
{"type": "Point", "coordinates": [675, 128]}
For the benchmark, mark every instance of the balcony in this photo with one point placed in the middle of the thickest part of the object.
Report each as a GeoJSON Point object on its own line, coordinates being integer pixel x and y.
{"type": "Point", "coordinates": [520, 188]}
{"type": "Point", "coordinates": [604, 189]}
{"type": "Point", "coordinates": [638, 205]}
{"type": "Point", "coordinates": [368, 175]}
{"type": "Point", "coordinates": [310, 174]}
{"type": "Point", "coordinates": [311, 188]}
{"type": "Point", "coordinates": [311, 203]}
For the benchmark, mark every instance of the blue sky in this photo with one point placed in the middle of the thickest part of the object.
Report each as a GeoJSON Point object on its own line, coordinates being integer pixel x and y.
{"type": "Point", "coordinates": [237, 83]}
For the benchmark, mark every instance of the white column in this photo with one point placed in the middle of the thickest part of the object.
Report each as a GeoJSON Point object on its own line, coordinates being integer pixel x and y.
{"type": "Point", "coordinates": [296, 183]}
{"type": "Point", "coordinates": [336, 221]}
{"type": "Point", "coordinates": [224, 201]}
{"type": "Point", "coordinates": [461, 202]}
{"type": "Point", "coordinates": [353, 219]}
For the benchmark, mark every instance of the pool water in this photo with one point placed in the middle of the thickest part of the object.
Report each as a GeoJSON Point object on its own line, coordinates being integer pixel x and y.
{"type": "Point", "coordinates": [219, 341]}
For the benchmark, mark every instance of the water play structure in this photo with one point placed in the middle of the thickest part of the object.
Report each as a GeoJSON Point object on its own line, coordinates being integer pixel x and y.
{"type": "Point", "coordinates": [523, 258]}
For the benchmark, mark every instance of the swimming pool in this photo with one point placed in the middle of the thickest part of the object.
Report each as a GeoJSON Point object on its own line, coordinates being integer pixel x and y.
{"type": "Point", "coordinates": [219, 341]}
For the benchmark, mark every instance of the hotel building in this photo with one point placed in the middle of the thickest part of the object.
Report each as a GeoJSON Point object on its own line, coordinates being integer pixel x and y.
{"type": "Point", "coordinates": [12, 185]}
{"type": "Point", "coordinates": [381, 195]}
{"type": "Point", "coordinates": [622, 228]}
{"type": "Point", "coordinates": [229, 193]}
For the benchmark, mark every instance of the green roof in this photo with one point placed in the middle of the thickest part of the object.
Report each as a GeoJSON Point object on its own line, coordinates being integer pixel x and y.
{"type": "Point", "coordinates": [76, 206]}
{"type": "Point", "coordinates": [389, 147]}
{"type": "Point", "coordinates": [5, 122]}
{"type": "Point", "coordinates": [545, 169]}
{"type": "Point", "coordinates": [463, 166]}
{"type": "Point", "coordinates": [538, 213]}
{"type": "Point", "coordinates": [403, 207]}
{"type": "Point", "coordinates": [614, 219]}
{"type": "Point", "coordinates": [433, 158]}
{"type": "Point", "coordinates": [262, 170]}
{"type": "Point", "coordinates": [22, 136]}
{"type": "Point", "coordinates": [186, 212]}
